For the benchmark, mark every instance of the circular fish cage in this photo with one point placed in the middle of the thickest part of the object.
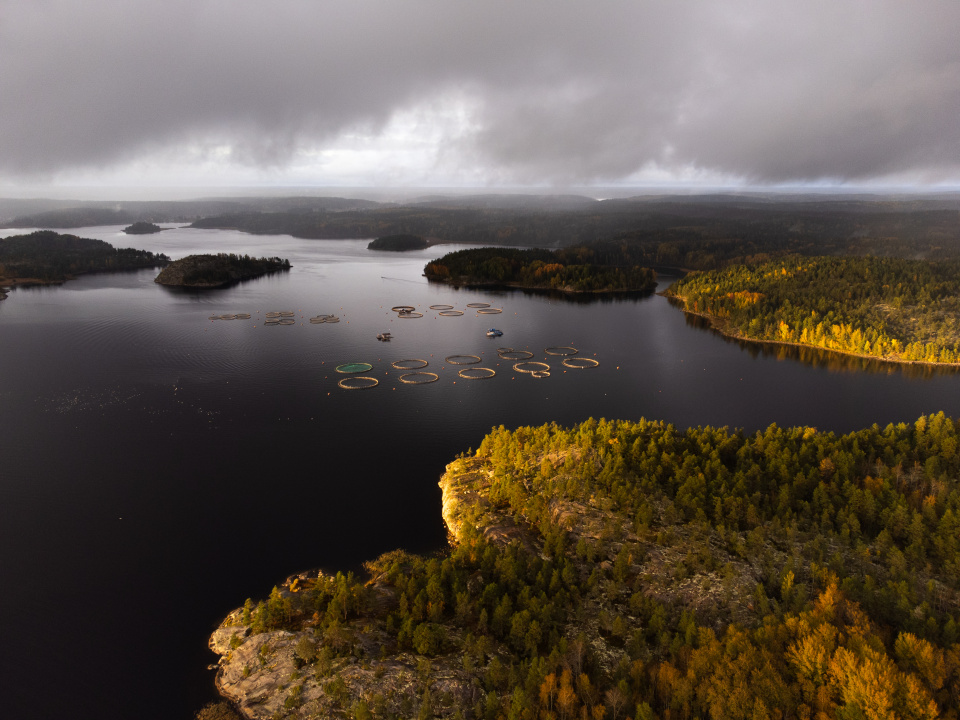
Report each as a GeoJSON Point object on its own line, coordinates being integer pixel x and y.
{"type": "Point", "coordinates": [580, 363]}
{"type": "Point", "coordinates": [213, 317]}
{"type": "Point", "coordinates": [273, 314]}
{"type": "Point", "coordinates": [504, 350]}
{"type": "Point", "coordinates": [479, 373]}
{"type": "Point", "coordinates": [272, 321]}
{"type": "Point", "coordinates": [242, 316]}
{"type": "Point", "coordinates": [358, 383]}
{"type": "Point", "coordinates": [228, 317]}
{"type": "Point", "coordinates": [515, 354]}
{"type": "Point", "coordinates": [287, 314]}
{"type": "Point", "coordinates": [441, 307]}
{"type": "Point", "coordinates": [463, 359]}
{"type": "Point", "coordinates": [478, 305]}
{"type": "Point", "coordinates": [317, 321]}
{"type": "Point", "coordinates": [418, 378]}
{"type": "Point", "coordinates": [489, 311]}
{"type": "Point", "coordinates": [403, 308]}
{"type": "Point", "coordinates": [398, 364]}
{"type": "Point", "coordinates": [450, 313]}
{"type": "Point", "coordinates": [409, 314]}
{"type": "Point", "coordinates": [288, 321]}
{"type": "Point", "coordinates": [354, 368]}
{"type": "Point", "coordinates": [531, 366]}
{"type": "Point", "coordinates": [333, 320]}
{"type": "Point", "coordinates": [561, 350]}
{"type": "Point", "coordinates": [323, 318]}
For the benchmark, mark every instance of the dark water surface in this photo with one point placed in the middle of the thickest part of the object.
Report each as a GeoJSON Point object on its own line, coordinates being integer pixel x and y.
{"type": "Point", "coordinates": [158, 468]}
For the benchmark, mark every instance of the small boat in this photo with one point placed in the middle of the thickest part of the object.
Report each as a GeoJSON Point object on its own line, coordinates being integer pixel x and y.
{"type": "Point", "coordinates": [384, 336]}
{"type": "Point", "coordinates": [493, 332]}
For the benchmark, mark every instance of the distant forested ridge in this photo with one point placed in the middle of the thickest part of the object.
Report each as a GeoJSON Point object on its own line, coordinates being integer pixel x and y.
{"type": "Point", "coordinates": [634, 569]}
{"type": "Point", "coordinates": [569, 269]}
{"type": "Point", "coordinates": [48, 256]}
{"type": "Point", "coordinates": [696, 232]}
{"type": "Point", "coordinates": [888, 308]}
{"type": "Point", "coordinates": [218, 270]}
{"type": "Point", "coordinates": [398, 243]}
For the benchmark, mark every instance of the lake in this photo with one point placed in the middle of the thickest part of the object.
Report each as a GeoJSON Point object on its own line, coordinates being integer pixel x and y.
{"type": "Point", "coordinates": [159, 467]}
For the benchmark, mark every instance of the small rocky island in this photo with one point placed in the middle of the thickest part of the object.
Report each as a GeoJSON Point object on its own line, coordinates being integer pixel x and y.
{"type": "Point", "coordinates": [220, 270]}
{"type": "Point", "coordinates": [142, 228]}
{"type": "Point", "coordinates": [399, 243]}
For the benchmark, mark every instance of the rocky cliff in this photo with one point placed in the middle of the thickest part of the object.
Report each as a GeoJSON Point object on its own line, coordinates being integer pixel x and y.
{"type": "Point", "coordinates": [301, 671]}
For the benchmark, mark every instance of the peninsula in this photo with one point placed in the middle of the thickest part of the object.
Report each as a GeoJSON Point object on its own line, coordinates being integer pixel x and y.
{"type": "Point", "coordinates": [220, 270]}
{"type": "Point", "coordinates": [632, 569]}
{"type": "Point", "coordinates": [572, 270]}
{"type": "Point", "coordinates": [887, 308]}
{"type": "Point", "coordinates": [46, 257]}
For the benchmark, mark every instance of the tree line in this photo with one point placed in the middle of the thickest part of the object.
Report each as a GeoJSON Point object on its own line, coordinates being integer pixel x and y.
{"type": "Point", "coordinates": [577, 269]}
{"type": "Point", "coordinates": [889, 308]}
{"type": "Point", "coordinates": [50, 256]}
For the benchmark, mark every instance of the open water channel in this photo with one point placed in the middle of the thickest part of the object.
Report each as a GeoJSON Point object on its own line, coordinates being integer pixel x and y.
{"type": "Point", "coordinates": [158, 467]}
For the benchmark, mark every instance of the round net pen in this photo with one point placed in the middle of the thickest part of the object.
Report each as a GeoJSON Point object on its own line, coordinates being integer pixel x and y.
{"type": "Point", "coordinates": [441, 307]}
{"type": "Point", "coordinates": [476, 373]}
{"type": "Point", "coordinates": [403, 308]}
{"type": "Point", "coordinates": [408, 314]}
{"type": "Point", "coordinates": [478, 305]}
{"type": "Point", "coordinates": [581, 363]}
{"type": "Point", "coordinates": [515, 354]}
{"type": "Point", "coordinates": [531, 366]}
{"type": "Point", "coordinates": [463, 359]}
{"type": "Point", "coordinates": [418, 378]}
{"type": "Point", "coordinates": [412, 364]}
{"type": "Point", "coordinates": [565, 350]}
{"type": "Point", "coordinates": [354, 368]}
{"type": "Point", "coordinates": [450, 313]}
{"type": "Point", "coordinates": [358, 383]}
{"type": "Point", "coordinates": [489, 311]}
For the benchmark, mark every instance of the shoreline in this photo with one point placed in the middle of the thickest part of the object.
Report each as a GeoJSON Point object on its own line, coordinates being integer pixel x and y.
{"type": "Point", "coordinates": [722, 328]}
{"type": "Point", "coordinates": [7, 284]}
{"type": "Point", "coordinates": [535, 288]}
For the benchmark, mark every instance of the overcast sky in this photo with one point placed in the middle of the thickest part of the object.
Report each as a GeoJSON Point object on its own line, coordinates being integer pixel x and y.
{"type": "Point", "coordinates": [479, 93]}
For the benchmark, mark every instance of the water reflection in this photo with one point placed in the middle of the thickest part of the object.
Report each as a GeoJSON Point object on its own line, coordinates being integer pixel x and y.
{"type": "Point", "coordinates": [818, 357]}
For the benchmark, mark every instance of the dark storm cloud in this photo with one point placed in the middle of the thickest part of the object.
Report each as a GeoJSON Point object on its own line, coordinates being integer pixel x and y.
{"type": "Point", "coordinates": [560, 91]}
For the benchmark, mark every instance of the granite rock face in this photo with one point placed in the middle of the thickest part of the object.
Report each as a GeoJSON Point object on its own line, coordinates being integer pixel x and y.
{"type": "Point", "coordinates": [277, 674]}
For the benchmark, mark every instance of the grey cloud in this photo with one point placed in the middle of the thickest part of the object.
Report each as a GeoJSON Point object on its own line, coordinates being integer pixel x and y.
{"type": "Point", "coordinates": [564, 92]}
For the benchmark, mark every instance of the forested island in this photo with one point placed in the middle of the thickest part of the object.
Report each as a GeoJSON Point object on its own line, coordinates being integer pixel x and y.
{"type": "Point", "coordinates": [399, 243]}
{"type": "Point", "coordinates": [45, 257]}
{"type": "Point", "coordinates": [218, 270]}
{"type": "Point", "coordinates": [888, 308]}
{"type": "Point", "coordinates": [633, 569]}
{"type": "Point", "coordinates": [576, 269]}
{"type": "Point", "coordinates": [142, 228]}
